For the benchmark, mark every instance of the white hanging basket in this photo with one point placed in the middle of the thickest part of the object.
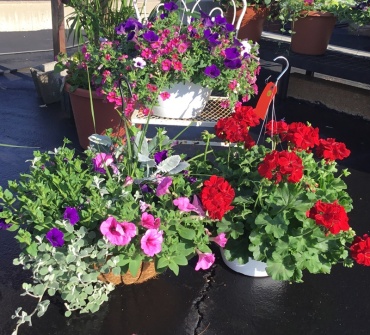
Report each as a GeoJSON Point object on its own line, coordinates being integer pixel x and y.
{"type": "Point", "coordinates": [251, 268]}
{"type": "Point", "coordinates": [186, 101]}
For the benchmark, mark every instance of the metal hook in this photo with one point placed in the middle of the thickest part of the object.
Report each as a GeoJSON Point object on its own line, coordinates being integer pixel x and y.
{"type": "Point", "coordinates": [125, 79]}
{"type": "Point", "coordinates": [284, 70]}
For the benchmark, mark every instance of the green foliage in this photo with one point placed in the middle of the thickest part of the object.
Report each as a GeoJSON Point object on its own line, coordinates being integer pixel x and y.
{"type": "Point", "coordinates": [269, 220]}
{"type": "Point", "coordinates": [343, 10]}
{"type": "Point", "coordinates": [94, 19]}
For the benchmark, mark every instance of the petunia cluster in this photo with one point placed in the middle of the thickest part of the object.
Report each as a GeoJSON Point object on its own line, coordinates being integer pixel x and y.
{"type": "Point", "coordinates": [156, 55]}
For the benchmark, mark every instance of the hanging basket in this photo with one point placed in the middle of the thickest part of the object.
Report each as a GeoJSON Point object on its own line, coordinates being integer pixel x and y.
{"type": "Point", "coordinates": [186, 101]}
{"type": "Point", "coordinates": [145, 272]}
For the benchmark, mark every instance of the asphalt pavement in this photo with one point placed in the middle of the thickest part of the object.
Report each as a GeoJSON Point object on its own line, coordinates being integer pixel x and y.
{"type": "Point", "coordinates": [214, 302]}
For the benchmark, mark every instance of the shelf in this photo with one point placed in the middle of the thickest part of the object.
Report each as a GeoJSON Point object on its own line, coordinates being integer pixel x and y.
{"type": "Point", "coordinates": [208, 118]}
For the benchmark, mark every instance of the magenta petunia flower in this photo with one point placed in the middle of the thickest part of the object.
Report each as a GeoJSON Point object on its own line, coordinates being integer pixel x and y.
{"type": "Point", "coordinates": [118, 233]}
{"type": "Point", "coordinates": [101, 161]}
{"type": "Point", "coordinates": [55, 237]}
{"type": "Point", "coordinates": [151, 242]}
{"type": "Point", "coordinates": [205, 261]}
{"type": "Point", "coordinates": [163, 186]}
{"type": "Point", "coordinates": [166, 65]}
{"type": "Point", "coordinates": [184, 205]}
{"type": "Point", "coordinates": [148, 221]}
{"type": "Point", "coordinates": [164, 95]}
{"type": "Point", "coordinates": [71, 214]}
{"type": "Point", "coordinates": [220, 239]}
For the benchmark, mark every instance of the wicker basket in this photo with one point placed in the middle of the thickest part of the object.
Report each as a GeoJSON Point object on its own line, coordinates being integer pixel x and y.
{"type": "Point", "coordinates": [145, 272]}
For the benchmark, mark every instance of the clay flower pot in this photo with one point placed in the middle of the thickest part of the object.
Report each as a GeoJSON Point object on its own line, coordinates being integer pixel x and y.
{"type": "Point", "coordinates": [106, 116]}
{"type": "Point", "coordinates": [252, 24]}
{"type": "Point", "coordinates": [311, 34]}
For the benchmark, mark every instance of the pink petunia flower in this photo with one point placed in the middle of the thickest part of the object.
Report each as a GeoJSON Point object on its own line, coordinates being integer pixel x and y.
{"type": "Point", "coordinates": [164, 95]}
{"type": "Point", "coordinates": [220, 239]}
{"type": "Point", "coordinates": [163, 186]}
{"type": "Point", "coordinates": [166, 65]}
{"type": "Point", "coordinates": [128, 181]}
{"type": "Point", "coordinates": [143, 206]}
{"type": "Point", "coordinates": [148, 221]}
{"type": "Point", "coordinates": [183, 203]}
{"type": "Point", "coordinates": [205, 260]}
{"type": "Point", "coordinates": [151, 242]}
{"type": "Point", "coordinates": [118, 233]}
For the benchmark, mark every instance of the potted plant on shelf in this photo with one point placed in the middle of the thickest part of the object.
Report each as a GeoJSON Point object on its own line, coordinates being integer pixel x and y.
{"type": "Point", "coordinates": [289, 206]}
{"type": "Point", "coordinates": [160, 55]}
{"type": "Point", "coordinates": [257, 11]}
{"type": "Point", "coordinates": [312, 22]}
{"type": "Point", "coordinates": [119, 213]}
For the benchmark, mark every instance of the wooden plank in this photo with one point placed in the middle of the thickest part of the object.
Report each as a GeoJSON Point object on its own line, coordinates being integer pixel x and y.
{"type": "Point", "coordinates": [57, 16]}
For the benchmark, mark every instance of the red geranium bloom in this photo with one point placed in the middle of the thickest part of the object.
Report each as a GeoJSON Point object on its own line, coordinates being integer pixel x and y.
{"type": "Point", "coordinates": [331, 215]}
{"type": "Point", "coordinates": [277, 165]}
{"type": "Point", "coordinates": [331, 150]}
{"type": "Point", "coordinates": [229, 129]}
{"type": "Point", "coordinates": [277, 128]}
{"type": "Point", "coordinates": [247, 115]}
{"type": "Point", "coordinates": [217, 196]}
{"type": "Point", "coordinates": [360, 250]}
{"type": "Point", "coordinates": [301, 136]}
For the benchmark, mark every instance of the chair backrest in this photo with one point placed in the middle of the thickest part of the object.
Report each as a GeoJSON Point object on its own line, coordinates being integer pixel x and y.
{"type": "Point", "coordinates": [208, 6]}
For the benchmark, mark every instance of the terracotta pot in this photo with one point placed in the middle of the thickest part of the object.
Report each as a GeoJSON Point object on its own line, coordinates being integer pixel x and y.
{"type": "Point", "coordinates": [106, 116]}
{"type": "Point", "coordinates": [146, 272]}
{"type": "Point", "coordinates": [252, 24]}
{"type": "Point", "coordinates": [312, 33]}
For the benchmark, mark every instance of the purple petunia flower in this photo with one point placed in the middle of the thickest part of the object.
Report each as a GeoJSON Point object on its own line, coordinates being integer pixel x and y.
{"type": "Point", "coordinates": [55, 237]}
{"type": "Point", "coordinates": [212, 71]}
{"type": "Point", "coordinates": [163, 16]}
{"type": "Point", "coordinates": [220, 20]}
{"type": "Point", "coordinates": [170, 6]}
{"type": "Point", "coordinates": [150, 36]}
{"type": "Point", "coordinates": [130, 36]}
{"type": "Point", "coordinates": [3, 224]}
{"type": "Point", "coordinates": [233, 63]}
{"type": "Point", "coordinates": [232, 53]}
{"type": "Point", "coordinates": [160, 156]}
{"type": "Point", "coordinates": [71, 215]}
{"type": "Point", "coordinates": [229, 27]}
{"type": "Point", "coordinates": [212, 38]}
{"type": "Point", "coordinates": [206, 20]}
{"type": "Point", "coordinates": [128, 25]}
{"type": "Point", "coordinates": [145, 188]}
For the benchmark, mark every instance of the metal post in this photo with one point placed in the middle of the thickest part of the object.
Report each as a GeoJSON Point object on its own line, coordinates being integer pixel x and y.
{"type": "Point", "coordinates": [57, 17]}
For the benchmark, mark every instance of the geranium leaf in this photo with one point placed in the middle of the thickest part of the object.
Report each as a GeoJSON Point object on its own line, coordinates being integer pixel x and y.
{"type": "Point", "coordinates": [279, 271]}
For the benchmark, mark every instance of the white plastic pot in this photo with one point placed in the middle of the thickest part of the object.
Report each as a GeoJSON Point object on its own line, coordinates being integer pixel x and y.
{"type": "Point", "coordinates": [186, 101]}
{"type": "Point", "coordinates": [251, 268]}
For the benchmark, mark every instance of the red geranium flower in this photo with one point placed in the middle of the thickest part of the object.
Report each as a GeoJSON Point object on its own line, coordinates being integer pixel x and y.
{"type": "Point", "coordinates": [277, 128]}
{"type": "Point", "coordinates": [217, 196]}
{"type": "Point", "coordinates": [301, 136]}
{"type": "Point", "coordinates": [331, 150]}
{"type": "Point", "coordinates": [360, 250]}
{"type": "Point", "coordinates": [331, 215]}
{"type": "Point", "coordinates": [247, 115]}
{"type": "Point", "coordinates": [277, 165]}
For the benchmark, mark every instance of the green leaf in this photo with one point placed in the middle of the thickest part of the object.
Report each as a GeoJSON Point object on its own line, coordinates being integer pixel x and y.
{"type": "Point", "coordinates": [32, 249]}
{"type": "Point", "coordinates": [43, 271]}
{"type": "Point", "coordinates": [186, 233]}
{"type": "Point", "coordinates": [180, 260]}
{"type": "Point", "coordinates": [134, 266]}
{"type": "Point", "coordinates": [174, 267]}
{"type": "Point", "coordinates": [162, 263]}
{"type": "Point", "coordinates": [280, 270]}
